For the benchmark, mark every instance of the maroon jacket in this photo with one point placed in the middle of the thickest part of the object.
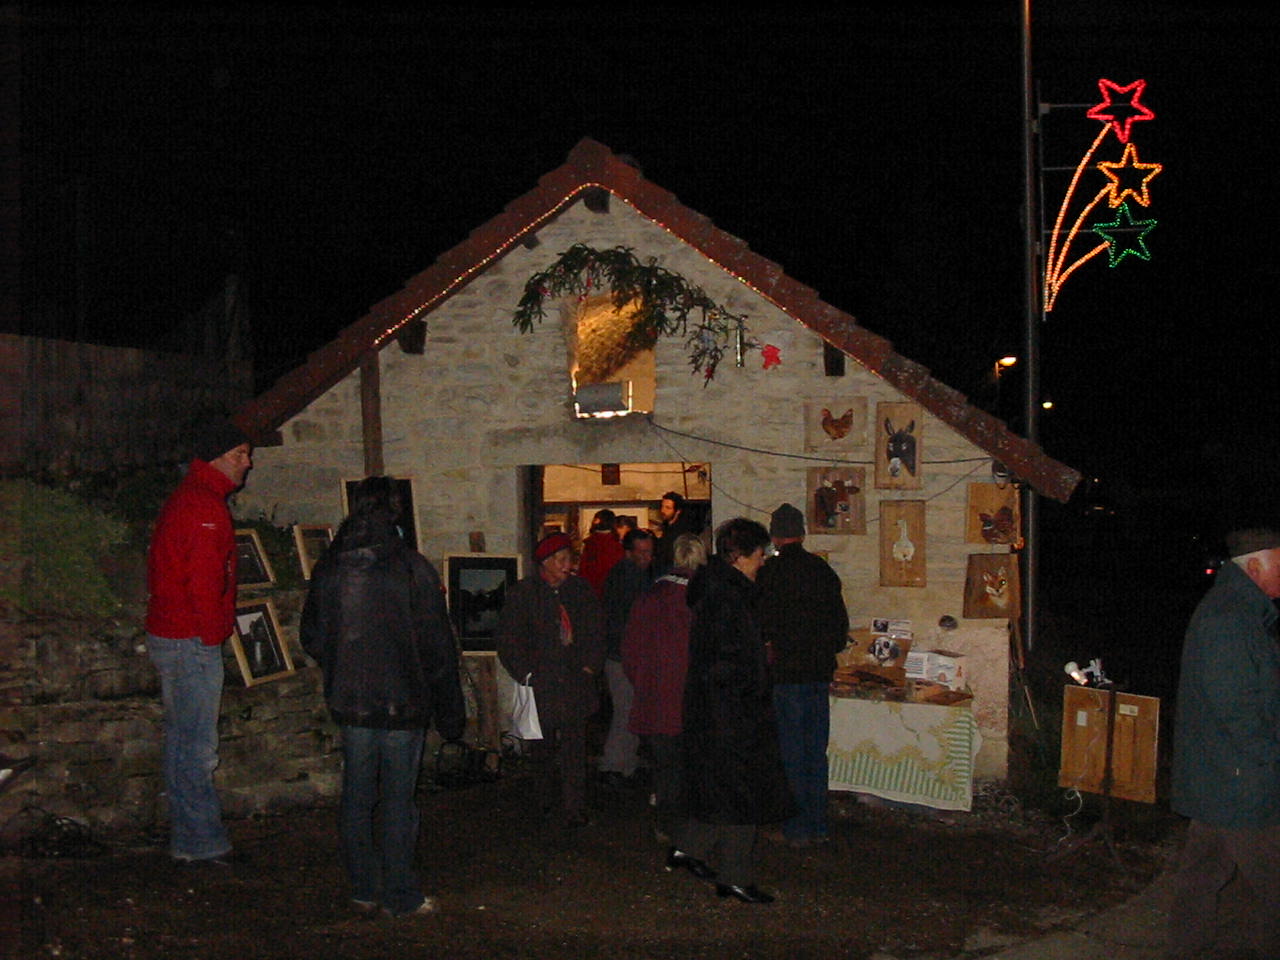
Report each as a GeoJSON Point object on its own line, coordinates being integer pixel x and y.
{"type": "Point", "coordinates": [655, 655]}
{"type": "Point", "coordinates": [191, 566]}
{"type": "Point", "coordinates": [600, 553]}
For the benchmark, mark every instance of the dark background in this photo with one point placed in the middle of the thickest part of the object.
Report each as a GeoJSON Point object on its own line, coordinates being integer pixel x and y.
{"type": "Point", "coordinates": [326, 154]}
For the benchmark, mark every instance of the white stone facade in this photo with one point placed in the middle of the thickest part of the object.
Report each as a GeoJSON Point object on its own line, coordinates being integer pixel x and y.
{"type": "Point", "coordinates": [484, 400]}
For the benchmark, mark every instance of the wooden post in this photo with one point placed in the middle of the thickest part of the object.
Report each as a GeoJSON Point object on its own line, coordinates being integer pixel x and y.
{"type": "Point", "coordinates": [371, 413]}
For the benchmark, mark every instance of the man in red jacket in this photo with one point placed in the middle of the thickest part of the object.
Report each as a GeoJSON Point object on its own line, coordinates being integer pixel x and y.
{"type": "Point", "coordinates": [191, 574]}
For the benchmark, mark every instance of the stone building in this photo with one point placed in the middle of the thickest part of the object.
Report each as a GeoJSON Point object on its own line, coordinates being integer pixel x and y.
{"type": "Point", "coordinates": [436, 385]}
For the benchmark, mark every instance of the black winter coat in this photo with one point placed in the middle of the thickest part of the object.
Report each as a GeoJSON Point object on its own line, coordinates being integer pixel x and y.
{"type": "Point", "coordinates": [734, 770]}
{"type": "Point", "coordinates": [375, 619]}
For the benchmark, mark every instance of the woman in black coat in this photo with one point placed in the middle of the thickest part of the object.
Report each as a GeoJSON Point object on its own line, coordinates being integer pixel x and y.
{"type": "Point", "coordinates": [736, 778]}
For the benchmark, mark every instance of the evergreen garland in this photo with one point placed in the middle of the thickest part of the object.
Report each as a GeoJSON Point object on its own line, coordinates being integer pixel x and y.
{"type": "Point", "coordinates": [666, 303]}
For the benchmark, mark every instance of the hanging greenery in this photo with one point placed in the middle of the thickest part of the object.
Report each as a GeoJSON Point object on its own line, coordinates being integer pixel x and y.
{"type": "Point", "coordinates": [665, 303]}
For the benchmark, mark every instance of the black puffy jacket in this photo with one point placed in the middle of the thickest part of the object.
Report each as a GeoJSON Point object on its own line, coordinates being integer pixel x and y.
{"type": "Point", "coordinates": [375, 619]}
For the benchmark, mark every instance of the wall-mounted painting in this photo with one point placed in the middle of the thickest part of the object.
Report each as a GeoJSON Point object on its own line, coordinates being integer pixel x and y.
{"type": "Point", "coordinates": [257, 643]}
{"type": "Point", "coordinates": [992, 588]}
{"type": "Point", "coordinates": [899, 429]}
{"type": "Point", "coordinates": [404, 495]}
{"type": "Point", "coordinates": [838, 425]}
{"type": "Point", "coordinates": [836, 500]}
{"type": "Point", "coordinates": [994, 514]}
{"type": "Point", "coordinates": [312, 540]}
{"type": "Point", "coordinates": [477, 588]}
{"type": "Point", "coordinates": [902, 543]}
{"type": "Point", "coordinates": [253, 569]}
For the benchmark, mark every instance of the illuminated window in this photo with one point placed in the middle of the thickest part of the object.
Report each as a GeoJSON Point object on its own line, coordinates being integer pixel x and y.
{"type": "Point", "coordinates": [613, 370]}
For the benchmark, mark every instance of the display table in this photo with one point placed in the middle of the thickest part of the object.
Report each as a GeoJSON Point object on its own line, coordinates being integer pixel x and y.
{"type": "Point", "coordinates": [912, 752]}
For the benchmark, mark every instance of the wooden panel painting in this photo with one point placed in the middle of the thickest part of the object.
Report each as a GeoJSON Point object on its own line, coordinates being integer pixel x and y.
{"type": "Point", "coordinates": [899, 428]}
{"type": "Point", "coordinates": [902, 543]}
{"type": "Point", "coordinates": [992, 588]}
{"type": "Point", "coordinates": [835, 425]}
{"type": "Point", "coordinates": [994, 514]}
{"type": "Point", "coordinates": [836, 500]}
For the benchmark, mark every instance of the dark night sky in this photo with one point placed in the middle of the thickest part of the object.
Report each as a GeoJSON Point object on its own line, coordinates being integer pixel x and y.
{"type": "Point", "coordinates": [326, 155]}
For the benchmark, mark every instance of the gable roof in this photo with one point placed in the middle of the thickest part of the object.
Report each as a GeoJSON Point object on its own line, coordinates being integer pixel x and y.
{"type": "Point", "coordinates": [591, 165]}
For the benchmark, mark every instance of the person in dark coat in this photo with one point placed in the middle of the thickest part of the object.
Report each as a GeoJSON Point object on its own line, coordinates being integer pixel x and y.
{"type": "Point", "coordinates": [551, 630]}
{"type": "Point", "coordinates": [375, 620]}
{"type": "Point", "coordinates": [732, 760]}
{"type": "Point", "coordinates": [675, 521]}
{"type": "Point", "coordinates": [626, 583]}
{"type": "Point", "coordinates": [1226, 748]}
{"type": "Point", "coordinates": [805, 625]}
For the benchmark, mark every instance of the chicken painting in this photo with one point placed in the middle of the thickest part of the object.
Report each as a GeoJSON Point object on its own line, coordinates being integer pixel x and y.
{"type": "Point", "coordinates": [837, 428]}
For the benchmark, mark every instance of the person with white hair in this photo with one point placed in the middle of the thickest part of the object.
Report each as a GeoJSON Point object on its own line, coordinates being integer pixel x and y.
{"type": "Point", "coordinates": [1226, 748]}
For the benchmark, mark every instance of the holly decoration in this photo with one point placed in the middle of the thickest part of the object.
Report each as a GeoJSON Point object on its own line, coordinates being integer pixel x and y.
{"type": "Point", "coordinates": [665, 303]}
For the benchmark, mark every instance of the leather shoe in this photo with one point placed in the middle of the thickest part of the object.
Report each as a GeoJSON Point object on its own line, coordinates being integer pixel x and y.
{"type": "Point", "coordinates": [748, 894]}
{"type": "Point", "coordinates": [679, 859]}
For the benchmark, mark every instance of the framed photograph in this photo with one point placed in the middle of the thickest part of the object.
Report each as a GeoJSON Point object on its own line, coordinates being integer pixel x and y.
{"type": "Point", "coordinates": [404, 519]}
{"type": "Point", "coordinates": [312, 540]}
{"type": "Point", "coordinates": [477, 584]}
{"type": "Point", "coordinates": [899, 446]}
{"type": "Point", "coordinates": [253, 569]}
{"type": "Point", "coordinates": [992, 588]}
{"type": "Point", "coordinates": [257, 643]}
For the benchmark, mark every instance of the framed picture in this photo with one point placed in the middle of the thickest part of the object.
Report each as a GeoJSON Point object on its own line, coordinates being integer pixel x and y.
{"type": "Point", "coordinates": [253, 569]}
{"type": "Point", "coordinates": [902, 543]}
{"type": "Point", "coordinates": [994, 514]}
{"type": "Point", "coordinates": [404, 519]}
{"type": "Point", "coordinates": [839, 425]}
{"type": "Point", "coordinates": [312, 540]}
{"type": "Point", "coordinates": [258, 647]}
{"type": "Point", "coordinates": [992, 588]}
{"type": "Point", "coordinates": [899, 446]}
{"type": "Point", "coordinates": [477, 584]}
{"type": "Point", "coordinates": [836, 500]}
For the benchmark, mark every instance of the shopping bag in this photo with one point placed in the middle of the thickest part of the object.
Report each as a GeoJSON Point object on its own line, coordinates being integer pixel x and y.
{"type": "Point", "coordinates": [524, 712]}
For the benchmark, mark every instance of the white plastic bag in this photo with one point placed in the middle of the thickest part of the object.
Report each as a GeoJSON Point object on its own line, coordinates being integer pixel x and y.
{"type": "Point", "coordinates": [524, 712]}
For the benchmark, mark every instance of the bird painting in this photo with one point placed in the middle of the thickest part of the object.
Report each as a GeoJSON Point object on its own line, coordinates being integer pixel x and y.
{"type": "Point", "coordinates": [903, 548]}
{"type": "Point", "coordinates": [837, 428]}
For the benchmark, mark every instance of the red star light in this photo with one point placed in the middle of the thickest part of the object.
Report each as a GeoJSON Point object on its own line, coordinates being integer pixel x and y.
{"type": "Point", "coordinates": [1121, 116]}
{"type": "Point", "coordinates": [1129, 177]}
{"type": "Point", "coordinates": [772, 356]}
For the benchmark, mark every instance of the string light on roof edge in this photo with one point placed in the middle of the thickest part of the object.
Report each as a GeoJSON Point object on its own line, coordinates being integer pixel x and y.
{"type": "Point", "coordinates": [1127, 177]}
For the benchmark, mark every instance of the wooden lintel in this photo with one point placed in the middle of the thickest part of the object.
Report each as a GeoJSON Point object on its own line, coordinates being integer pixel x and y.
{"type": "Point", "coordinates": [371, 413]}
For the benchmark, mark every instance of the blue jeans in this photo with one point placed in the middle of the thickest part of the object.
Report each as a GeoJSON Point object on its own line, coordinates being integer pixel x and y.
{"type": "Point", "coordinates": [804, 721]}
{"type": "Point", "coordinates": [191, 688]}
{"type": "Point", "coordinates": [380, 771]}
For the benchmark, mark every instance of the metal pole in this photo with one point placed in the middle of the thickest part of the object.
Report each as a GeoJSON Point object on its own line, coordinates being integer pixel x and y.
{"type": "Point", "coordinates": [1032, 320]}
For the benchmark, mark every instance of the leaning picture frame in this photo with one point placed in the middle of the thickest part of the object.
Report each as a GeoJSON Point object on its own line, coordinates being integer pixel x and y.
{"type": "Point", "coordinates": [476, 585]}
{"type": "Point", "coordinates": [258, 644]}
{"type": "Point", "coordinates": [312, 540]}
{"type": "Point", "coordinates": [253, 569]}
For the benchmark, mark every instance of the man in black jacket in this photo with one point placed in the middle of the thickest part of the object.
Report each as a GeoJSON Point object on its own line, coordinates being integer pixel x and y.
{"type": "Point", "coordinates": [805, 624]}
{"type": "Point", "coordinates": [376, 621]}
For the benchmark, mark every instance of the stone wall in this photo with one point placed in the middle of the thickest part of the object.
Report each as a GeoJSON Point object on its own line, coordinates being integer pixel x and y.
{"type": "Point", "coordinates": [484, 400]}
{"type": "Point", "coordinates": [83, 699]}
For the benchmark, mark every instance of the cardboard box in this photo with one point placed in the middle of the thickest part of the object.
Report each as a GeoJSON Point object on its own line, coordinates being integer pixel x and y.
{"type": "Point", "coordinates": [943, 667]}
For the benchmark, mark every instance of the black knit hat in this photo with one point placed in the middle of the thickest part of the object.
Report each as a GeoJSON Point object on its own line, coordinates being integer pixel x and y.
{"type": "Point", "coordinates": [1251, 540]}
{"type": "Point", "coordinates": [214, 437]}
{"type": "Point", "coordinates": [786, 522]}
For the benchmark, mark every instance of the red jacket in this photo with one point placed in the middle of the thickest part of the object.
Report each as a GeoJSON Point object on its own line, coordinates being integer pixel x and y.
{"type": "Point", "coordinates": [191, 566]}
{"type": "Point", "coordinates": [600, 553]}
{"type": "Point", "coordinates": [655, 655]}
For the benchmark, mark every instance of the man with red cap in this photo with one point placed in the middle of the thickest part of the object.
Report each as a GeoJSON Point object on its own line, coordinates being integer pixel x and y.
{"type": "Point", "coordinates": [550, 629]}
{"type": "Point", "coordinates": [191, 576]}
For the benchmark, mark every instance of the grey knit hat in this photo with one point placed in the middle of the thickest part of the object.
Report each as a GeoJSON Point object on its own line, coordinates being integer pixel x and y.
{"type": "Point", "coordinates": [786, 522]}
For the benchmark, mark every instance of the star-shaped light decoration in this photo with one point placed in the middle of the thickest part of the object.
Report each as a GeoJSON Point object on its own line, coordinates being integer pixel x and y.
{"type": "Point", "coordinates": [1121, 116]}
{"type": "Point", "coordinates": [1119, 247]}
{"type": "Point", "coordinates": [772, 356]}
{"type": "Point", "coordinates": [1129, 177]}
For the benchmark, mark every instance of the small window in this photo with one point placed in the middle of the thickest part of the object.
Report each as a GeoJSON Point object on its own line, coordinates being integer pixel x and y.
{"type": "Point", "coordinates": [613, 369]}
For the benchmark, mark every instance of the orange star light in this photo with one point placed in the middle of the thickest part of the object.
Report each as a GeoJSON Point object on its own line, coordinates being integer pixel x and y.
{"type": "Point", "coordinates": [1121, 116]}
{"type": "Point", "coordinates": [1129, 177]}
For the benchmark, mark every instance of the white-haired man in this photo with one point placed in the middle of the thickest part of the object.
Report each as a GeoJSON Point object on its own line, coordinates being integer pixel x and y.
{"type": "Point", "coordinates": [1226, 750]}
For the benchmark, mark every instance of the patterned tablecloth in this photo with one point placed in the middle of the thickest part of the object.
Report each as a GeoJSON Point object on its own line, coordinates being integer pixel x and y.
{"type": "Point", "coordinates": [913, 752]}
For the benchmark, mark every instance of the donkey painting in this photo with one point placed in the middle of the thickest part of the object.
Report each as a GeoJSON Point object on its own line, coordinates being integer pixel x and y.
{"type": "Point", "coordinates": [900, 450]}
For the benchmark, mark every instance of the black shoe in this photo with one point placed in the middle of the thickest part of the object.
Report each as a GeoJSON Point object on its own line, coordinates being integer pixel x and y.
{"type": "Point", "coordinates": [677, 858]}
{"type": "Point", "coordinates": [749, 894]}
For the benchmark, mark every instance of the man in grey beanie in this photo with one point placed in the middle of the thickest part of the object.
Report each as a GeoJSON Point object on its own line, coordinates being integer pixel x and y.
{"type": "Point", "coordinates": [1226, 748]}
{"type": "Point", "coordinates": [805, 624]}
